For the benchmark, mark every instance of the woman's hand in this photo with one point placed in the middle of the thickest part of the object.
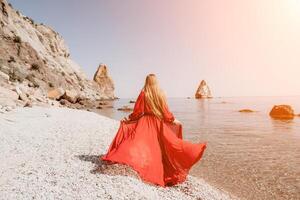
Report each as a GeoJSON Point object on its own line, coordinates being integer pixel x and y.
{"type": "Point", "coordinates": [125, 119]}
{"type": "Point", "coordinates": [176, 121]}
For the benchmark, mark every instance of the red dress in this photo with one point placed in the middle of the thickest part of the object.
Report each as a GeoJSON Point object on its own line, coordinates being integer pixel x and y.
{"type": "Point", "coordinates": [154, 147]}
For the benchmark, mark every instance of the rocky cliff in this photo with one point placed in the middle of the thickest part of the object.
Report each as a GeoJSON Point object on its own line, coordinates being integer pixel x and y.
{"type": "Point", "coordinates": [34, 60]}
{"type": "Point", "coordinates": [203, 91]}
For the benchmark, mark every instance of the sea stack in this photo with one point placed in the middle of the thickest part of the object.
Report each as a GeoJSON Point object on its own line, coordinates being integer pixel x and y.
{"type": "Point", "coordinates": [104, 81]}
{"type": "Point", "coordinates": [203, 91]}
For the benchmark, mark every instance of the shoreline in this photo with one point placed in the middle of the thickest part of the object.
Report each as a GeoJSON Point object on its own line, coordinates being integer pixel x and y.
{"type": "Point", "coordinates": [52, 152]}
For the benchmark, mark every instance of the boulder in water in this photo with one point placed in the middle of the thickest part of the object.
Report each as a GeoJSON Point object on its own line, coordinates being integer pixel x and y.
{"type": "Point", "coordinates": [282, 112]}
{"type": "Point", "coordinates": [246, 111]}
{"type": "Point", "coordinates": [203, 91]}
{"type": "Point", "coordinates": [125, 109]}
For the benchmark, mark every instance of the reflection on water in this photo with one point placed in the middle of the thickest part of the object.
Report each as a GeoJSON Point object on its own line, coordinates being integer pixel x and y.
{"type": "Point", "coordinates": [249, 154]}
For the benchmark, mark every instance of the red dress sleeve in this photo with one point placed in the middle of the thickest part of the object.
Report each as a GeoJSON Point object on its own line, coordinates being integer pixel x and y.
{"type": "Point", "coordinates": [168, 116]}
{"type": "Point", "coordinates": [139, 106]}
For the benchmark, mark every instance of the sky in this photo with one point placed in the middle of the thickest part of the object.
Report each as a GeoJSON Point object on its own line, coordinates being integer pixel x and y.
{"type": "Point", "coordinates": [240, 47]}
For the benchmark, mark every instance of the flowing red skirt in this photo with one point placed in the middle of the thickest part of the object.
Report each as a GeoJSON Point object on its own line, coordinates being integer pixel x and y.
{"type": "Point", "coordinates": [155, 150]}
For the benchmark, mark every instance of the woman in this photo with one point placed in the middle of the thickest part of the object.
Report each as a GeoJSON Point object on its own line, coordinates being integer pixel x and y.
{"type": "Point", "coordinates": [150, 141]}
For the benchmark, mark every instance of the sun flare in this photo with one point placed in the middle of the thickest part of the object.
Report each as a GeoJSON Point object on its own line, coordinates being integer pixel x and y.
{"type": "Point", "coordinates": [294, 7]}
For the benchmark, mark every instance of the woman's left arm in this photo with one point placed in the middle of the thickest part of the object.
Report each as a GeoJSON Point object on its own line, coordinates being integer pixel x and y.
{"type": "Point", "coordinates": [168, 115]}
{"type": "Point", "coordinates": [138, 110]}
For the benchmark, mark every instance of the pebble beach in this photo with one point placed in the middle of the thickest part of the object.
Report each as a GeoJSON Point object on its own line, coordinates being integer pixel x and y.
{"type": "Point", "coordinates": [53, 153]}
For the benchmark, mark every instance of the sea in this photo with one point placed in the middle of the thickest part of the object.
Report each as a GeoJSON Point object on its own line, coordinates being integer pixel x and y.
{"type": "Point", "coordinates": [249, 155]}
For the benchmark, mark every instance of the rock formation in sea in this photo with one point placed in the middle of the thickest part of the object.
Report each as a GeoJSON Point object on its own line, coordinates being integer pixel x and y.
{"type": "Point", "coordinates": [203, 91]}
{"type": "Point", "coordinates": [104, 81]}
{"type": "Point", "coordinates": [282, 112]}
{"type": "Point", "coordinates": [34, 60]}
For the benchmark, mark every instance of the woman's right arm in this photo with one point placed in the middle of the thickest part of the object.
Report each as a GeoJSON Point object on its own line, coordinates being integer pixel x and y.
{"type": "Point", "coordinates": [176, 121]}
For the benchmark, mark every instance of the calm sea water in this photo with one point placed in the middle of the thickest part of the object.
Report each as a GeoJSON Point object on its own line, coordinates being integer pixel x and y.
{"type": "Point", "coordinates": [249, 155]}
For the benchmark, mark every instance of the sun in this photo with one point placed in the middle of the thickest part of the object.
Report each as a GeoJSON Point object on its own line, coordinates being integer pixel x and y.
{"type": "Point", "coordinates": [293, 9]}
{"type": "Point", "coordinates": [294, 4]}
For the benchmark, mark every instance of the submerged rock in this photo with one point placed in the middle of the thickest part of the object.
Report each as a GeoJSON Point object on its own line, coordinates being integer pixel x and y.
{"type": "Point", "coordinates": [125, 109]}
{"type": "Point", "coordinates": [246, 111]}
{"type": "Point", "coordinates": [203, 91]}
{"type": "Point", "coordinates": [282, 112]}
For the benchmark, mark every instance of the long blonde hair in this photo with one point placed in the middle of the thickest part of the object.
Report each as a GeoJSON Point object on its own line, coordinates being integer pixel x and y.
{"type": "Point", "coordinates": [154, 96]}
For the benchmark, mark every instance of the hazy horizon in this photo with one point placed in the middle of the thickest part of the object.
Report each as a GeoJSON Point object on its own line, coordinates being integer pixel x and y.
{"type": "Point", "coordinates": [241, 48]}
